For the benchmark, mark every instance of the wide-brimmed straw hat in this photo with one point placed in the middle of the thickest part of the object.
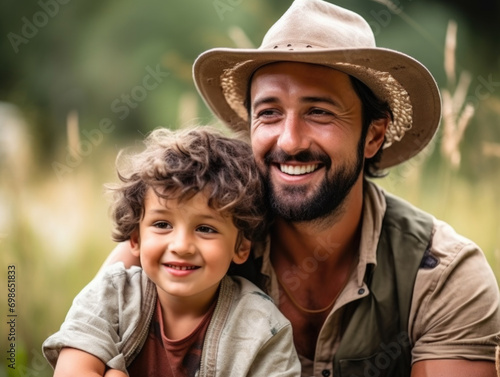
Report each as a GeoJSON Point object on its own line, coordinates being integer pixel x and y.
{"type": "Point", "coordinates": [317, 32]}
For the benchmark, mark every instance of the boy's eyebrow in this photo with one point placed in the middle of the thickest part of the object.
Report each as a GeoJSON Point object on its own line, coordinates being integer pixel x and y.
{"type": "Point", "coordinates": [161, 211]}
{"type": "Point", "coordinates": [157, 210]}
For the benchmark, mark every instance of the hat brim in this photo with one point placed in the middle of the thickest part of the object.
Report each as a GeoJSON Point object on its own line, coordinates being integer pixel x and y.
{"type": "Point", "coordinates": [421, 87]}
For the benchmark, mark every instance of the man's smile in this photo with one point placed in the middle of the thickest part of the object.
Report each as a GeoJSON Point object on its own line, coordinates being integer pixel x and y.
{"type": "Point", "coordinates": [298, 169]}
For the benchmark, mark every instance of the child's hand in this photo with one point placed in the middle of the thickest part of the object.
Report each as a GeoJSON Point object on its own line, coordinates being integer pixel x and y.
{"type": "Point", "coordinates": [114, 373]}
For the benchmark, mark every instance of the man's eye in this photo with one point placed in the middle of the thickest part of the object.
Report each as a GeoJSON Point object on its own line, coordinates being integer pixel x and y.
{"type": "Point", "coordinates": [206, 229]}
{"type": "Point", "coordinates": [162, 225]}
{"type": "Point", "coordinates": [267, 113]}
{"type": "Point", "coordinates": [320, 112]}
{"type": "Point", "coordinates": [321, 116]}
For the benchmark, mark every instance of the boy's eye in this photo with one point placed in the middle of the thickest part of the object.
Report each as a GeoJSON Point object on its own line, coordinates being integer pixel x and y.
{"type": "Point", "coordinates": [162, 225]}
{"type": "Point", "coordinates": [206, 229]}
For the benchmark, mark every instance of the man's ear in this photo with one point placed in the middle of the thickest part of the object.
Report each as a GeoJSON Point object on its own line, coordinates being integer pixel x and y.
{"type": "Point", "coordinates": [243, 251]}
{"type": "Point", "coordinates": [375, 136]}
{"type": "Point", "coordinates": [135, 242]}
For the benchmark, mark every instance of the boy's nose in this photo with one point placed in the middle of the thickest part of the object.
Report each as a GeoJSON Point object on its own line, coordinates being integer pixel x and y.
{"type": "Point", "coordinates": [182, 244]}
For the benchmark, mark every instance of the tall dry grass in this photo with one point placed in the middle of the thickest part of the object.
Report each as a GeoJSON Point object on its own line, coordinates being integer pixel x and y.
{"type": "Point", "coordinates": [56, 233]}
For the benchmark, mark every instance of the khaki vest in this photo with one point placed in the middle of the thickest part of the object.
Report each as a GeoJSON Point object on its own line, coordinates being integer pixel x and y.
{"type": "Point", "coordinates": [376, 340]}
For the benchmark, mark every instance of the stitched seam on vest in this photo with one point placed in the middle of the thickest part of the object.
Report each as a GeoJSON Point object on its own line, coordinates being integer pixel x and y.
{"type": "Point", "coordinates": [208, 365]}
{"type": "Point", "coordinates": [135, 342]}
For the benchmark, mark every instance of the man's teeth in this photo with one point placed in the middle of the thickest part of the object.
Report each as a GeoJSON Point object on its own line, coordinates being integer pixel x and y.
{"type": "Point", "coordinates": [182, 268]}
{"type": "Point", "coordinates": [297, 170]}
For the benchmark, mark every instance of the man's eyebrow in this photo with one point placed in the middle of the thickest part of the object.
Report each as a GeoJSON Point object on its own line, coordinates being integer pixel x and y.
{"type": "Point", "coordinates": [308, 99]}
{"type": "Point", "coordinates": [265, 100]}
{"type": "Point", "coordinates": [314, 99]}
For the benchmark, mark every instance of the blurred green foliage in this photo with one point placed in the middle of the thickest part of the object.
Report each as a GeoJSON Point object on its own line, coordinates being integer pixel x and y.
{"type": "Point", "coordinates": [124, 68]}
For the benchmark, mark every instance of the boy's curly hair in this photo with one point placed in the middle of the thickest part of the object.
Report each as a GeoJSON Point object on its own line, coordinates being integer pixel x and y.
{"type": "Point", "coordinates": [178, 165]}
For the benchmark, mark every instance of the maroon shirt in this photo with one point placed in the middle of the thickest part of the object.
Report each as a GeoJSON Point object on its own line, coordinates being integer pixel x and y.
{"type": "Point", "coordinates": [161, 356]}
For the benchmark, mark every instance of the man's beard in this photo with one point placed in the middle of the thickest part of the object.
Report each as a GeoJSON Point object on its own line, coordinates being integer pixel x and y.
{"type": "Point", "coordinates": [291, 202]}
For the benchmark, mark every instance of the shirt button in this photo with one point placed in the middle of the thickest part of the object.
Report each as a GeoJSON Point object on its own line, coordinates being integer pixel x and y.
{"type": "Point", "coordinates": [325, 372]}
{"type": "Point", "coordinates": [361, 291]}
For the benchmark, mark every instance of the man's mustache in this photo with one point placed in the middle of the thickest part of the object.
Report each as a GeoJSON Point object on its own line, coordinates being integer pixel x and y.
{"type": "Point", "coordinates": [279, 156]}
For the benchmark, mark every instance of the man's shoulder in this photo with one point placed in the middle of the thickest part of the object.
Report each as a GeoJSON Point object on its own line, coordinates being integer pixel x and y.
{"type": "Point", "coordinates": [404, 224]}
{"type": "Point", "coordinates": [455, 307]}
{"type": "Point", "coordinates": [399, 207]}
{"type": "Point", "coordinates": [450, 252]}
{"type": "Point", "coordinates": [446, 237]}
{"type": "Point", "coordinates": [443, 236]}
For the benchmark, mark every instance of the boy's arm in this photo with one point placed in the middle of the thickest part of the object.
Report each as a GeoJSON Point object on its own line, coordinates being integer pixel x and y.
{"type": "Point", "coordinates": [122, 253]}
{"type": "Point", "coordinates": [115, 373]}
{"type": "Point", "coordinates": [100, 322]}
{"type": "Point", "coordinates": [75, 363]}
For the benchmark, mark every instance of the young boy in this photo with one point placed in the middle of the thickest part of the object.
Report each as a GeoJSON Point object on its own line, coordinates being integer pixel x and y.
{"type": "Point", "coordinates": [190, 205]}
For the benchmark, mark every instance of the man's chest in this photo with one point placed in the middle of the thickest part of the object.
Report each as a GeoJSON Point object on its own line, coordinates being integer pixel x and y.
{"type": "Point", "coordinates": [306, 326]}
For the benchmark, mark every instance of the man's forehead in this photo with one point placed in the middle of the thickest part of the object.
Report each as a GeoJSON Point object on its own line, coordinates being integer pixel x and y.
{"type": "Point", "coordinates": [296, 68]}
{"type": "Point", "coordinates": [308, 80]}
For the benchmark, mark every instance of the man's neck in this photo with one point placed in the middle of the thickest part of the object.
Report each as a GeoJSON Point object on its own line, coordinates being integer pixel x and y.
{"type": "Point", "coordinates": [330, 240]}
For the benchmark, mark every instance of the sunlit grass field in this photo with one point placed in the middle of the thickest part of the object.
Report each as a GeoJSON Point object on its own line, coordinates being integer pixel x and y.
{"type": "Point", "coordinates": [56, 232]}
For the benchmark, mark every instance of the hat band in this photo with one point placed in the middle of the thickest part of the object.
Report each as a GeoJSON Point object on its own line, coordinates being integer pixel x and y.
{"type": "Point", "coordinates": [390, 90]}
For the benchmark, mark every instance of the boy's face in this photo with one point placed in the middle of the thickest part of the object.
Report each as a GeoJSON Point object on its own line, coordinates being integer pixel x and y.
{"type": "Point", "coordinates": [186, 247]}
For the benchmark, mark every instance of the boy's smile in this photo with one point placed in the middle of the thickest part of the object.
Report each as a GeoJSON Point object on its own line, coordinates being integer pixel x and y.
{"type": "Point", "coordinates": [175, 267]}
{"type": "Point", "coordinates": [185, 247]}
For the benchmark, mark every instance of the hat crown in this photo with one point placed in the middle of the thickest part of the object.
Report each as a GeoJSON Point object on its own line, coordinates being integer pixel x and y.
{"type": "Point", "coordinates": [318, 24]}
{"type": "Point", "coordinates": [318, 32]}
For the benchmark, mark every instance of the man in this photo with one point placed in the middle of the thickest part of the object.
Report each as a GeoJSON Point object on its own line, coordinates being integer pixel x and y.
{"type": "Point", "coordinates": [372, 285]}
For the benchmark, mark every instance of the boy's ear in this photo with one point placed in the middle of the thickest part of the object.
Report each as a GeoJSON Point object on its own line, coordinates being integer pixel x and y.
{"type": "Point", "coordinates": [135, 243]}
{"type": "Point", "coordinates": [243, 251]}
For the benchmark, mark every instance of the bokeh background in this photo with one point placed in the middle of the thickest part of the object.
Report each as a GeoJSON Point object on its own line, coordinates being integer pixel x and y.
{"type": "Point", "coordinates": [80, 80]}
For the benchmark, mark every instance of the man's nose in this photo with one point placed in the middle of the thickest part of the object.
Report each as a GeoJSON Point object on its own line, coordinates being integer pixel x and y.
{"type": "Point", "coordinates": [293, 138]}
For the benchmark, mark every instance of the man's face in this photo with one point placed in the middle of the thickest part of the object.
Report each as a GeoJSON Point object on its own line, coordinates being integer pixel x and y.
{"type": "Point", "coordinates": [306, 138]}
